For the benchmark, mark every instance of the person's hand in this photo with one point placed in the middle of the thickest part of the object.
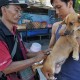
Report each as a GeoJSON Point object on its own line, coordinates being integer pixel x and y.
{"type": "Point", "coordinates": [40, 56]}
{"type": "Point", "coordinates": [48, 51]}
{"type": "Point", "coordinates": [44, 53]}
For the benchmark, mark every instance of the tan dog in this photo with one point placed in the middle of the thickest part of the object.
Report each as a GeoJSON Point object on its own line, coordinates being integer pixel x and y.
{"type": "Point", "coordinates": [64, 46]}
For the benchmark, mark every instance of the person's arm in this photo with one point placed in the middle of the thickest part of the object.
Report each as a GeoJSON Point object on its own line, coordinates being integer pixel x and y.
{"type": "Point", "coordinates": [53, 35]}
{"type": "Point", "coordinates": [20, 65]}
{"type": "Point", "coordinates": [52, 40]}
{"type": "Point", "coordinates": [31, 54]}
{"type": "Point", "coordinates": [8, 66]}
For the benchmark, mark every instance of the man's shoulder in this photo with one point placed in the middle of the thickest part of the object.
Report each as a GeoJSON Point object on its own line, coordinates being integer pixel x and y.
{"type": "Point", "coordinates": [57, 23]}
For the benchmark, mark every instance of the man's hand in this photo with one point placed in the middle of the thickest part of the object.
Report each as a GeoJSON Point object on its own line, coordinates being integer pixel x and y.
{"type": "Point", "coordinates": [48, 51]}
{"type": "Point", "coordinates": [40, 56]}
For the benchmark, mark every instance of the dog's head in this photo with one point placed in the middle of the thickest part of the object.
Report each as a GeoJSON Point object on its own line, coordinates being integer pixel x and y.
{"type": "Point", "coordinates": [72, 22]}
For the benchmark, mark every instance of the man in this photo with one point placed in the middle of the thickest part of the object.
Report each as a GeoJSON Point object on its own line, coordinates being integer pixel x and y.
{"type": "Point", "coordinates": [11, 13]}
{"type": "Point", "coordinates": [71, 68]}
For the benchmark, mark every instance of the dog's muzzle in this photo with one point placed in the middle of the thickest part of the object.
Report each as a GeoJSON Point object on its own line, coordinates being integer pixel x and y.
{"type": "Point", "coordinates": [68, 32]}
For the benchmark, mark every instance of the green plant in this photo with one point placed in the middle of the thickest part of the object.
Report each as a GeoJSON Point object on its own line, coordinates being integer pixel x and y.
{"type": "Point", "coordinates": [77, 6]}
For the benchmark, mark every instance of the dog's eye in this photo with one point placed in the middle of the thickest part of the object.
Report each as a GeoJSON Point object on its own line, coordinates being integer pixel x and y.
{"type": "Point", "coordinates": [71, 23]}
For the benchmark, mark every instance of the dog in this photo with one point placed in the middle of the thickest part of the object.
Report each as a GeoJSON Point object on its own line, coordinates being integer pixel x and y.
{"type": "Point", "coordinates": [64, 46]}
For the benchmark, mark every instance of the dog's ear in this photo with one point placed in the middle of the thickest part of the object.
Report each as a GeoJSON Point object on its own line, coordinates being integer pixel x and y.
{"type": "Point", "coordinates": [65, 19]}
{"type": "Point", "coordinates": [79, 18]}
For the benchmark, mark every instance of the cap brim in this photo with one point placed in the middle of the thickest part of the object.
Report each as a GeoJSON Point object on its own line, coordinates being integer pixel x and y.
{"type": "Point", "coordinates": [23, 5]}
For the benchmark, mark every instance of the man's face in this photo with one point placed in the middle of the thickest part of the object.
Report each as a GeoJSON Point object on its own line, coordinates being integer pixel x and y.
{"type": "Point", "coordinates": [13, 13]}
{"type": "Point", "coordinates": [62, 9]}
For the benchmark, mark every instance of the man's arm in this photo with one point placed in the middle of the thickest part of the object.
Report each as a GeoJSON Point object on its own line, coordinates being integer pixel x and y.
{"type": "Point", "coordinates": [53, 36]}
{"type": "Point", "coordinates": [8, 66]}
{"type": "Point", "coordinates": [31, 54]}
{"type": "Point", "coordinates": [20, 65]}
{"type": "Point", "coordinates": [52, 40]}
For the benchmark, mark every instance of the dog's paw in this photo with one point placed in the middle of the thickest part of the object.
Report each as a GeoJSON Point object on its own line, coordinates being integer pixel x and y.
{"type": "Point", "coordinates": [52, 78]}
{"type": "Point", "coordinates": [57, 69]}
{"type": "Point", "coordinates": [76, 57]}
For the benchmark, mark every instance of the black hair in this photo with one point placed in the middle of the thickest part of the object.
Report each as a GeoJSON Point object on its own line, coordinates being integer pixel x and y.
{"type": "Point", "coordinates": [66, 1]}
{"type": "Point", "coordinates": [0, 12]}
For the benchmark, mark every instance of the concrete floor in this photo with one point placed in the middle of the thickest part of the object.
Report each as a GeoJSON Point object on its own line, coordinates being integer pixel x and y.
{"type": "Point", "coordinates": [44, 43]}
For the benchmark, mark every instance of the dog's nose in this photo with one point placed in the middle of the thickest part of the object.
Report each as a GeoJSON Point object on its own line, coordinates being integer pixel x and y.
{"type": "Point", "coordinates": [66, 32]}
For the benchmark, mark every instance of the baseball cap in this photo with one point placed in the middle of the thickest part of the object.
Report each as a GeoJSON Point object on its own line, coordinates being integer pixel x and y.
{"type": "Point", "coordinates": [16, 2]}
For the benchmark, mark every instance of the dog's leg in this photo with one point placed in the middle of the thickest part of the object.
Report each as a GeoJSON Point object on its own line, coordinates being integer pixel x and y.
{"type": "Point", "coordinates": [75, 46]}
{"type": "Point", "coordinates": [52, 74]}
{"type": "Point", "coordinates": [58, 66]}
{"type": "Point", "coordinates": [47, 72]}
{"type": "Point", "coordinates": [52, 78]}
{"type": "Point", "coordinates": [76, 51]}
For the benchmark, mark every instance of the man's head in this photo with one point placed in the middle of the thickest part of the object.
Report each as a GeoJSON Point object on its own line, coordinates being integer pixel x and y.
{"type": "Point", "coordinates": [66, 1]}
{"type": "Point", "coordinates": [11, 10]}
{"type": "Point", "coordinates": [63, 7]}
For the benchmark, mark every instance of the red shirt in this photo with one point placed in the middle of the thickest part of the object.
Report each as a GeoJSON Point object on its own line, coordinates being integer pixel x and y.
{"type": "Point", "coordinates": [5, 57]}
